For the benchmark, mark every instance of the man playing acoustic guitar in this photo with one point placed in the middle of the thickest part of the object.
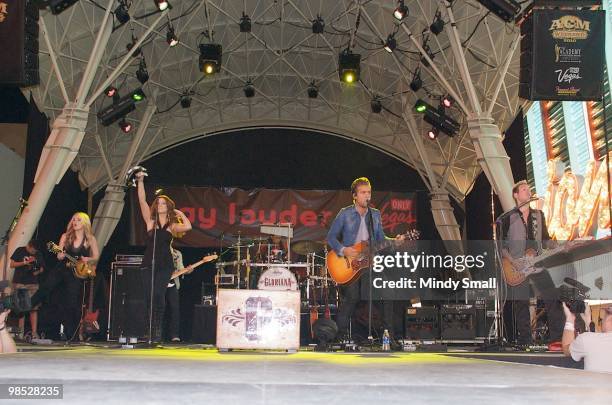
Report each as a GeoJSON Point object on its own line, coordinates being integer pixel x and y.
{"type": "Point", "coordinates": [524, 230]}
{"type": "Point", "coordinates": [353, 224]}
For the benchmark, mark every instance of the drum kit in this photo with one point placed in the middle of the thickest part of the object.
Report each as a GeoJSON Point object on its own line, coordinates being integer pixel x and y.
{"type": "Point", "coordinates": [272, 261]}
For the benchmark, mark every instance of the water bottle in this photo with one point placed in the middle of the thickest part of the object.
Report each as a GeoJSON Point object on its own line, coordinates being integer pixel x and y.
{"type": "Point", "coordinates": [386, 341]}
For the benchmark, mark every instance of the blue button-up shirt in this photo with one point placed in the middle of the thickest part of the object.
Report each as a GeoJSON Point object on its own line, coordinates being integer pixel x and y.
{"type": "Point", "coordinates": [345, 228]}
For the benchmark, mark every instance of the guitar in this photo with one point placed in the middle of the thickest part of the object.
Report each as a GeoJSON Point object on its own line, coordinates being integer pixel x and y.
{"type": "Point", "coordinates": [345, 270]}
{"type": "Point", "coordinates": [515, 271]}
{"type": "Point", "coordinates": [90, 319]}
{"type": "Point", "coordinates": [189, 268]}
{"type": "Point", "coordinates": [81, 269]}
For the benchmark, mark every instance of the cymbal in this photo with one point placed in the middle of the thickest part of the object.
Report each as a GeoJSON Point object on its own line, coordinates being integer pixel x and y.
{"type": "Point", "coordinates": [304, 247]}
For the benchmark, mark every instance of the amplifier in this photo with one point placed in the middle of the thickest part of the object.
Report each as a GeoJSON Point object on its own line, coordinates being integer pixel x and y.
{"type": "Point", "coordinates": [422, 323]}
{"type": "Point", "coordinates": [457, 321]}
{"type": "Point", "coordinates": [127, 310]}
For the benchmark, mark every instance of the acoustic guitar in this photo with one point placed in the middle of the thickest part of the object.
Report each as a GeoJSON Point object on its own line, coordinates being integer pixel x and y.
{"type": "Point", "coordinates": [81, 269]}
{"type": "Point", "coordinates": [345, 270]}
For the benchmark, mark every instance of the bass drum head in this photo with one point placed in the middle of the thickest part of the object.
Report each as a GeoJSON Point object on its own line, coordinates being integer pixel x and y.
{"type": "Point", "coordinates": [278, 279]}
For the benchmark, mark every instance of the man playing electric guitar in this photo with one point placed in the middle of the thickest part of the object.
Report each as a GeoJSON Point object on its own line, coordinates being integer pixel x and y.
{"type": "Point", "coordinates": [523, 230]}
{"type": "Point", "coordinates": [353, 224]}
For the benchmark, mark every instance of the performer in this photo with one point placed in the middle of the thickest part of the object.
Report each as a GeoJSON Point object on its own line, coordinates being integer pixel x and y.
{"type": "Point", "coordinates": [162, 221]}
{"type": "Point", "coordinates": [78, 241]}
{"type": "Point", "coordinates": [354, 224]}
{"type": "Point", "coordinates": [524, 229]}
{"type": "Point", "coordinates": [172, 313]}
{"type": "Point", "coordinates": [28, 263]}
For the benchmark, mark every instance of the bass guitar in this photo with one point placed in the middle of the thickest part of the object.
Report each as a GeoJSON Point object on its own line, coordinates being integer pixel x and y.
{"type": "Point", "coordinates": [345, 270]}
{"type": "Point", "coordinates": [81, 269]}
{"type": "Point", "coordinates": [90, 323]}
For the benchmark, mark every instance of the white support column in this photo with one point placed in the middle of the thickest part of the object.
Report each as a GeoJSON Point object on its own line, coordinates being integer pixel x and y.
{"type": "Point", "coordinates": [61, 148]}
{"type": "Point", "coordinates": [492, 157]}
{"type": "Point", "coordinates": [109, 212]}
{"type": "Point", "coordinates": [444, 216]}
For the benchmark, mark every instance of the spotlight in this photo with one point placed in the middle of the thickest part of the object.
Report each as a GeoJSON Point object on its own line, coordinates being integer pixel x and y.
{"type": "Point", "coordinates": [447, 101]}
{"type": "Point", "coordinates": [391, 43]}
{"type": "Point", "coordinates": [162, 4]}
{"type": "Point", "coordinates": [137, 95]}
{"type": "Point", "coordinates": [125, 126]}
{"type": "Point", "coordinates": [420, 106]}
{"type": "Point", "coordinates": [57, 6]}
{"type": "Point", "coordinates": [349, 66]}
{"type": "Point", "coordinates": [249, 90]}
{"type": "Point", "coordinates": [417, 82]}
{"type": "Point", "coordinates": [504, 9]}
{"type": "Point", "coordinates": [376, 105]}
{"type": "Point", "coordinates": [185, 101]}
{"type": "Point", "coordinates": [437, 26]}
{"type": "Point", "coordinates": [142, 74]}
{"type": "Point", "coordinates": [245, 23]}
{"type": "Point", "coordinates": [110, 91]}
{"type": "Point", "coordinates": [433, 133]}
{"type": "Point", "coordinates": [171, 37]}
{"type": "Point", "coordinates": [120, 107]}
{"type": "Point", "coordinates": [313, 90]}
{"type": "Point", "coordinates": [210, 58]}
{"type": "Point", "coordinates": [401, 11]}
{"type": "Point", "coordinates": [318, 25]}
{"type": "Point", "coordinates": [121, 12]}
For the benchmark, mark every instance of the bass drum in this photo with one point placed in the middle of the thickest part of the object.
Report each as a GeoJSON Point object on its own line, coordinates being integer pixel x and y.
{"type": "Point", "coordinates": [278, 279]}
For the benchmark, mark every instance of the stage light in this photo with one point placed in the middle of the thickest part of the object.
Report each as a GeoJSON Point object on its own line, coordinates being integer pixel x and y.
{"type": "Point", "coordinates": [171, 37]}
{"type": "Point", "coordinates": [313, 90]}
{"type": "Point", "coordinates": [376, 105]}
{"type": "Point", "coordinates": [110, 91]}
{"type": "Point", "coordinates": [349, 66]}
{"type": "Point", "coordinates": [507, 10]}
{"type": "Point", "coordinates": [391, 43]}
{"type": "Point", "coordinates": [185, 101]}
{"type": "Point", "coordinates": [125, 126]}
{"type": "Point", "coordinates": [162, 4]}
{"type": "Point", "coordinates": [249, 90]}
{"type": "Point", "coordinates": [318, 25]}
{"type": "Point", "coordinates": [137, 95]}
{"type": "Point", "coordinates": [57, 6]}
{"type": "Point", "coordinates": [417, 82]}
{"type": "Point", "coordinates": [120, 107]}
{"type": "Point", "coordinates": [433, 133]}
{"type": "Point", "coordinates": [401, 11]}
{"type": "Point", "coordinates": [437, 26]}
{"type": "Point", "coordinates": [142, 74]}
{"type": "Point", "coordinates": [447, 101]}
{"type": "Point", "coordinates": [420, 106]}
{"type": "Point", "coordinates": [210, 58]}
{"type": "Point", "coordinates": [121, 12]}
{"type": "Point", "coordinates": [245, 23]}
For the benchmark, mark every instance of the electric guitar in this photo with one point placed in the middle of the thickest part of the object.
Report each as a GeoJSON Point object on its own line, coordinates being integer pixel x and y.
{"type": "Point", "coordinates": [81, 269]}
{"type": "Point", "coordinates": [344, 270]}
{"type": "Point", "coordinates": [90, 323]}
{"type": "Point", "coordinates": [189, 268]}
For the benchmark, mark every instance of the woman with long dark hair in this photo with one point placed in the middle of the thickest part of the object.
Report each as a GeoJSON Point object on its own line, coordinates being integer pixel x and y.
{"type": "Point", "coordinates": [163, 221]}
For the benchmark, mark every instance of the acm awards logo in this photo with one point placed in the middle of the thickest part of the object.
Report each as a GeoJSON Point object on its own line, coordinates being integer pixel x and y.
{"type": "Point", "coordinates": [3, 11]}
{"type": "Point", "coordinates": [570, 28]}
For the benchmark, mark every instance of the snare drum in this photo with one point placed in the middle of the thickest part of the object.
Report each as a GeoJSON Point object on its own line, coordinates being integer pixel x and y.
{"type": "Point", "coordinates": [277, 278]}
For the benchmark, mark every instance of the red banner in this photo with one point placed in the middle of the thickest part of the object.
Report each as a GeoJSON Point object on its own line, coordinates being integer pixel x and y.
{"type": "Point", "coordinates": [219, 214]}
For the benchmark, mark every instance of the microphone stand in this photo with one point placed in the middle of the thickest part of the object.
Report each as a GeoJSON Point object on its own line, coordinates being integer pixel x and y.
{"type": "Point", "coordinates": [371, 238]}
{"type": "Point", "coordinates": [5, 239]}
{"type": "Point", "coordinates": [150, 342]}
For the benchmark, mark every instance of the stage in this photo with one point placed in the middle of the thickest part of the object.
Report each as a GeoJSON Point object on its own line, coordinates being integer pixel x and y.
{"type": "Point", "coordinates": [198, 374]}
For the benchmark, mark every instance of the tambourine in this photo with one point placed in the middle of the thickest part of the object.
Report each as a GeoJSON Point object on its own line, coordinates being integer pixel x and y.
{"type": "Point", "coordinates": [130, 176]}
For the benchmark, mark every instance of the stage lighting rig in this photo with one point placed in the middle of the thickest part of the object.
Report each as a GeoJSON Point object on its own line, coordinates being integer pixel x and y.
{"type": "Point", "coordinates": [185, 101]}
{"type": "Point", "coordinates": [433, 133]}
{"type": "Point", "coordinates": [401, 11]}
{"type": "Point", "coordinates": [57, 6]}
{"type": "Point", "coordinates": [245, 23]}
{"type": "Point", "coordinates": [349, 66]}
{"type": "Point", "coordinates": [142, 74]}
{"type": "Point", "coordinates": [121, 12]}
{"type": "Point", "coordinates": [313, 90]}
{"type": "Point", "coordinates": [437, 26]}
{"type": "Point", "coordinates": [249, 89]}
{"type": "Point", "coordinates": [390, 44]}
{"type": "Point", "coordinates": [162, 4]}
{"type": "Point", "coordinates": [211, 56]}
{"type": "Point", "coordinates": [171, 37]}
{"type": "Point", "coordinates": [447, 101]}
{"type": "Point", "coordinates": [437, 117]}
{"type": "Point", "coordinates": [110, 91]}
{"type": "Point", "coordinates": [120, 107]}
{"type": "Point", "coordinates": [507, 10]}
{"type": "Point", "coordinates": [318, 25]}
{"type": "Point", "coordinates": [376, 105]}
{"type": "Point", "coordinates": [125, 126]}
{"type": "Point", "coordinates": [417, 82]}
